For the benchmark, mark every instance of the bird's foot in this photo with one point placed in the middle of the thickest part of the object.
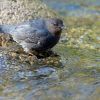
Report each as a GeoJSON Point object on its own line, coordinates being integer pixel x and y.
{"type": "Point", "coordinates": [46, 54]}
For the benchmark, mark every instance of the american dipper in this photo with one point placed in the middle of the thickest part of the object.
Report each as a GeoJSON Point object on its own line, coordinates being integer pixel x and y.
{"type": "Point", "coordinates": [38, 34]}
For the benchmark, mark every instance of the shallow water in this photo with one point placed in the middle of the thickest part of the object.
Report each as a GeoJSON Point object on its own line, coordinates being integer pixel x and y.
{"type": "Point", "coordinates": [73, 75]}
{"type": "Point", "coordinates": [77, 8]}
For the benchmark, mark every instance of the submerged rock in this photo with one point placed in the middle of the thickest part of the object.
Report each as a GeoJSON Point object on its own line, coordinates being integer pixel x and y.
{"type": "Point", "coordinates": [43, 71]}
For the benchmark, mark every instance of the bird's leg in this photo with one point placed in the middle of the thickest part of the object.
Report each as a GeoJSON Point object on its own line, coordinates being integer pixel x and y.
{"type": "Point", "coordinates": [51, 53]}
{"type": "Point", "coordinates": [43, 54]}
{"type": "Point", "coordinates": [33, 53]}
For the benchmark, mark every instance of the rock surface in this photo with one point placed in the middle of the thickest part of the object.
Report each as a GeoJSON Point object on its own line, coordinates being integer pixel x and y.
{"type": "Point", "coordinates": [15, 11]}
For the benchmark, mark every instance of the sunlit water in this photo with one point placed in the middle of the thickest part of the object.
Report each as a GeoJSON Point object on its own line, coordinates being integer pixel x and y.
{"type": "Point", "coordinates": [74, 75]}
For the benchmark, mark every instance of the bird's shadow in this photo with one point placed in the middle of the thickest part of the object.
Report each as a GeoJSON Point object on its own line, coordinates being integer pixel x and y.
{"type": "Point", "coordinates": [46, 54]}
{"type": "Point", "coordinates": [40, 55]}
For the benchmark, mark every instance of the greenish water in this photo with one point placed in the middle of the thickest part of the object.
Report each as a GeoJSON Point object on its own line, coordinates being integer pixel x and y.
{"type": "Point", "coordinates": [73, 75]}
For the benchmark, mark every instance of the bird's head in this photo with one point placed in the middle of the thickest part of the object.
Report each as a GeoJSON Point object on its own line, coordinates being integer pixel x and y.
{"type": "Point", "coordinates": [54, 26]}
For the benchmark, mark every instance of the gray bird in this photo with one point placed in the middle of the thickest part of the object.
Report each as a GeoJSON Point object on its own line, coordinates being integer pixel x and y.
{"type": "Point", "coordinates": [38, 34]}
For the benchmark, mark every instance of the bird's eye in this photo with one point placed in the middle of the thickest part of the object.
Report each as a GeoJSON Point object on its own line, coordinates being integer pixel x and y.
{"type": "Point", "coordinates": [55, 24]}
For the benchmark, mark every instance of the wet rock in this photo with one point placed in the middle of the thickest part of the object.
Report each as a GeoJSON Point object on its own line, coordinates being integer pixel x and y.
{"type": "Point", "coordinates": [43, 71]}
{"type": "Point", "coordinates": [3, 65]}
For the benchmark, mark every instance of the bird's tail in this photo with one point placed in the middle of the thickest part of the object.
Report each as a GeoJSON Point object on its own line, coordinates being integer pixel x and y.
{"type": "Point", "coordinates": [1, 31]}
{"type": "Point", "coordinates": [5, 29]}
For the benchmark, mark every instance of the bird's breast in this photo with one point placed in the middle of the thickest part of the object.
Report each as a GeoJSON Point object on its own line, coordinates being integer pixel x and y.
{"type": "Point", "coordinates": [49, 42]}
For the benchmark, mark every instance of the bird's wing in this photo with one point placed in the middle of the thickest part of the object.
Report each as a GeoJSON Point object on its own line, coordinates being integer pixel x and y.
{"type": "Point", "coordinates": [28, 33]}
{"type": "Point", "coordinates": [36, 36]}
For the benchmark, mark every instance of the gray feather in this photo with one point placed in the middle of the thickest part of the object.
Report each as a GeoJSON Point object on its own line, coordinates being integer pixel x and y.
{"type": "Point", "coordinates": [32, 34]}
{"type": "Point", "coordinates": [6, 28]}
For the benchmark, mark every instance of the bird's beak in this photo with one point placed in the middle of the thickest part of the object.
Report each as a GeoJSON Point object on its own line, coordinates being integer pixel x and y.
{"type": "Point", "coordinates": [63, 27]}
